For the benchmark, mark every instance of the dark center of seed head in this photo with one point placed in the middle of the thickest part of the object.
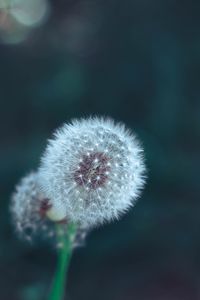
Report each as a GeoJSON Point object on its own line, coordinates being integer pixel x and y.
{"type": "Point", "coordinates": [92, 170]}
{"type": "Point", "coordinates": [44, 207]}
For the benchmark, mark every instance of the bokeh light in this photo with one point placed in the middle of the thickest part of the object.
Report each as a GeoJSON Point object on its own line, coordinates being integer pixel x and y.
{"type": "Point", "coordinates": [30, 12]}
{"type": "Point", "coordinates": [19, 17]}
{"type": "Point", "coordinates": [11, 32]}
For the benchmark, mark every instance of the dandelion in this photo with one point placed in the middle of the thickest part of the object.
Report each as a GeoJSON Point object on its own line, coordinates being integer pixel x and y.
{"type": "Point", "coordinates": [92, 170]}
{"type": "Point", "coordinates": [30, 208]}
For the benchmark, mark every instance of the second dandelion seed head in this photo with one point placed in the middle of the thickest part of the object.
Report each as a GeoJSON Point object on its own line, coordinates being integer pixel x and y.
{"type": "Point", "coordinates": [33, 217]}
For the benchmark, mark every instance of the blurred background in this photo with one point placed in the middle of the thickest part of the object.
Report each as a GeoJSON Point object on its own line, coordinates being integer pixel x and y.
{"type": "Point", "coordinates": [137, 61]}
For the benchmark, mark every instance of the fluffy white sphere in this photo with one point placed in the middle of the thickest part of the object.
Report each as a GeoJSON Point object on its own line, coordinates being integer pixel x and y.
{"type": "Point", "coordinates": [93, 169]}
{"type": "Point", "coordinates": [26, 206]}
{"type": "Point", "coordinates": [33, 217]}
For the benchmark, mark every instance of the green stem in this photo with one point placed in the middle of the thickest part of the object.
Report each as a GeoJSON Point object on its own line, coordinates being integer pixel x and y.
{"type": "Point", "coordinates": [65, 252]}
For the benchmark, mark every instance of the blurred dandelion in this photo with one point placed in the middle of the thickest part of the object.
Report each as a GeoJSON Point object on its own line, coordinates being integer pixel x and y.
{"type": "Point", "coordinates": [29, 209]}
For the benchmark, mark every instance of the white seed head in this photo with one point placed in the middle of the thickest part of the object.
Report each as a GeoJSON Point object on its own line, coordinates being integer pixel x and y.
{"type": "Point", "coordinates": [26, 204]}
{"type": "Point", "coordinates": [33, 217]}
{"type": "Point", "coordinates": [93, 169]}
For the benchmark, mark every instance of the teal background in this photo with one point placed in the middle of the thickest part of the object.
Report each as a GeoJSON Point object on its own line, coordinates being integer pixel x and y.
{"type": "Point", "coordinates": [138, 62]}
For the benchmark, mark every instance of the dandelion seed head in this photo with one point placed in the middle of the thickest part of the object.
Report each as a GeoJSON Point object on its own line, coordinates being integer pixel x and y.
{"type": "Point", "coordinates": [32, 215]}
{"type": "Point", "coordinates": [28, 207]}
{"type": "Point", "coordinates": [93, 169]}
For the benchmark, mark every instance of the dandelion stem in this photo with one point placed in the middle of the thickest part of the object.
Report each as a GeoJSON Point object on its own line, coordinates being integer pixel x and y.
{"type": "Point", "coordinates": [64, 256]}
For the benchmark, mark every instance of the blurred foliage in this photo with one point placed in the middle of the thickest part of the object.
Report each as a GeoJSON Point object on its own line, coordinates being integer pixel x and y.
{"type": "Point", "coordinates": [138, 62]}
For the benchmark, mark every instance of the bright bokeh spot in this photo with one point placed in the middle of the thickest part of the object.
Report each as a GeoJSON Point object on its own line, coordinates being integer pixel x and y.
{"type": "Point", "coordinates": [18, 17]}
{"type": "Point", "coordinates": [30, 12]}
{"type": "Point", "coordinates": [11, 32]}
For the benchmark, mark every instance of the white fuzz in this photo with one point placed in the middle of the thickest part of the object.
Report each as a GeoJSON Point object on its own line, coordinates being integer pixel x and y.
{"type": "Point", "coordinates": [25, 206]}
{"type": "Point", "coordinates": [33, 217]}
{"type": "Point", "coordinates": [93, 169]}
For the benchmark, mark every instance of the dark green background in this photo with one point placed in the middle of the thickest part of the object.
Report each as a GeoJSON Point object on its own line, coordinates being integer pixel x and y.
{"type": "Point", "coordinates": [137, 61]}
